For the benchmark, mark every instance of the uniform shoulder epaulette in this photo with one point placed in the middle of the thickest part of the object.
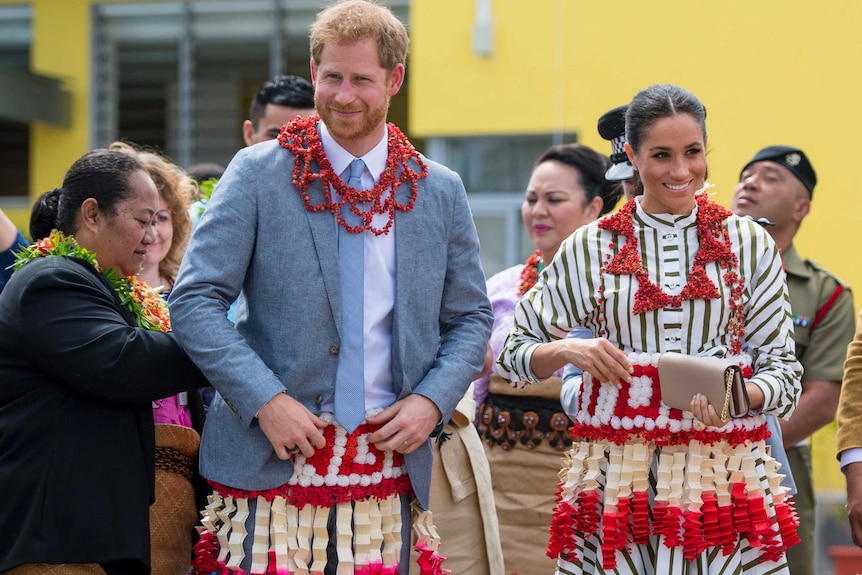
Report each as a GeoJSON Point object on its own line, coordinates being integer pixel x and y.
{"type": "Point", "coordinates": [817, 267]}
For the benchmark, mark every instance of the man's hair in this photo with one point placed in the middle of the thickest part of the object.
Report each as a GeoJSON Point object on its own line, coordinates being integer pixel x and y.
{"type": "Point", "coordinates": [350, 21]}
{"type": "Point", "coordinates": [290, 91]}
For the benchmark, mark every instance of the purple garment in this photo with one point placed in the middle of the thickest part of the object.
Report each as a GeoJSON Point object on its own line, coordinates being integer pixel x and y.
{"type": "Point", "coordinates": [503, 293]}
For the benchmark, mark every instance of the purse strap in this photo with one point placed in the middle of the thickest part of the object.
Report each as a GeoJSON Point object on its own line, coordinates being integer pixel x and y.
{"type": "Point", "coordinates": [728, 383]}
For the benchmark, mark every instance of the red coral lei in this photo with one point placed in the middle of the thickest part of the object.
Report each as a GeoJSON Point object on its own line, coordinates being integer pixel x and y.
{"type": "Point", "coordinates": [714, 246]}
{"type": "Point", "coordinates": [530, 274]}
{"type": "Point", "coordinates": [403, 165]}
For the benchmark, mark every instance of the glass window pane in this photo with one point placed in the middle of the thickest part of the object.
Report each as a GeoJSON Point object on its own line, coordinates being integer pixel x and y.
{"type": "Point", "coordinates": [15, 39]}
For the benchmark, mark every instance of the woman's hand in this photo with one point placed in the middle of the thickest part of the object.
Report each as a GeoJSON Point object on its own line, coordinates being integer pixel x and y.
{"type": "Point", "coordinates": [596, 355]}
{"type": "Point", "coordinates": [705, 412]}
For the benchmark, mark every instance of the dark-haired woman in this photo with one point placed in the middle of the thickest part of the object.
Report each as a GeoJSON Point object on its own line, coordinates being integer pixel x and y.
{"type": "Point", "coordinates": [525, 430]}
{"type": "Point", "coordinates": [83, 353]}
{"type": "Point", "coordinates": [648, 489]}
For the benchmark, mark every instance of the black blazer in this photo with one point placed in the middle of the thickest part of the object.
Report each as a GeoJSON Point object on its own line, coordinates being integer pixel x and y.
{"type": "Point", "coordinates": [77, 379]}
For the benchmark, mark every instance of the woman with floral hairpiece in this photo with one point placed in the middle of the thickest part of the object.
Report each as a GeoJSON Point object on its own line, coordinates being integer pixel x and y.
{"type": "Point", "coordinates": [527, 428]}
{"type": "Point", "coordinates": [83, 353]}
{"type": "Point", "coordinates": [645, 488]}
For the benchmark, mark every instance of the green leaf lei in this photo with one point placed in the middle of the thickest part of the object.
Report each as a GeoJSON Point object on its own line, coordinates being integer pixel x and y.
{"type": "Point", "coordinates": [205, 192]}
{"type": "Point", "coordinates": [148, 307]}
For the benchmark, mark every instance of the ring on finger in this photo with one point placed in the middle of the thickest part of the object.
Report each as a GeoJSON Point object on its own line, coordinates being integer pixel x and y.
{"type": "Point", "coordinates": [406, 443]}
{"type": "Point", "coordinates": [292, 449]}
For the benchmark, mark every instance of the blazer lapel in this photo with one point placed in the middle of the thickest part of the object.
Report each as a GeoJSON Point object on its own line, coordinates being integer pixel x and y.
{"type": "Point", "coordinates": [323, 233]}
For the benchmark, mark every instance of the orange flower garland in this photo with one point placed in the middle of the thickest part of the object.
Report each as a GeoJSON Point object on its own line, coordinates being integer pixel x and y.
{"type": "Point", "coordinates": [149, 308]}
{"type": "Point", "coordinates": [403, 165]}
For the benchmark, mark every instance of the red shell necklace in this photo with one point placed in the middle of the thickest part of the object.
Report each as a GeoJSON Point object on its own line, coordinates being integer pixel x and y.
{"type": "Point", "coordinates": [714, 246]}
{"type": "Point", "coordinates": [403, 164]}
{"type": "Point", "coordinates": [530, 274]}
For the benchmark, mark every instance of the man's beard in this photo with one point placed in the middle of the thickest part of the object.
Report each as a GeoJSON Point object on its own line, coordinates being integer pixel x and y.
{"type": "Point", "coordinates": [356, 129]}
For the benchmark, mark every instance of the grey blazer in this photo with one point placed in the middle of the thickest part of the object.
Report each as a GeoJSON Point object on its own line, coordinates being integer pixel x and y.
{"type": "Point", "coordinates": [257, 240]}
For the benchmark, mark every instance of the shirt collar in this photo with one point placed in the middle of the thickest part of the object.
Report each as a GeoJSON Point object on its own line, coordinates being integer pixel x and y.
{"type": "Point", "coordinates": [375, 158]}
{"type": "Point", "coordinates": [664, 220]}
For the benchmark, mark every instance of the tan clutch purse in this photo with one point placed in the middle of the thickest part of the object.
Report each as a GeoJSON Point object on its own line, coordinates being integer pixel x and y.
{"type": "Point", "coordinates": [682, 376]}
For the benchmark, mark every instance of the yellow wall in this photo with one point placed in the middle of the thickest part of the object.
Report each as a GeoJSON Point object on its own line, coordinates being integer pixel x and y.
{"type": "Point", "coordinates": [769, 72]}
{"type": "Point", "coordinates": [61, 49]}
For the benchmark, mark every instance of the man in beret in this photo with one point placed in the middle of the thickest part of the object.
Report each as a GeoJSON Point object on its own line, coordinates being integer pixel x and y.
{"type": "Point", "coordinates": [612, 127]}
{"type": "Point", "coordinates": [777, 184]}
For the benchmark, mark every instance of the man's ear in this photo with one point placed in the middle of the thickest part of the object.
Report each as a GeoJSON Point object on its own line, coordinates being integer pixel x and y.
{"type": "Point", "coordinates": [396, 78]}
{"type": "Point", "coordinates": [248, 132]}
{"type": "Point", "coordinates": [801, 207]}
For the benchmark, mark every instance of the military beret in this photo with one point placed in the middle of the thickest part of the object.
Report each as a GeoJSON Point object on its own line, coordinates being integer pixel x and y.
{"type": "Point", "coordinates": [793, 159]}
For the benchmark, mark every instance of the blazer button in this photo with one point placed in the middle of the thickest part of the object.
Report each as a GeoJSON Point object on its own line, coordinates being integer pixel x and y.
{"type": "Point", "coordinates": [318, 400]}
{"type": "Point", "coordinates": [333, 349]}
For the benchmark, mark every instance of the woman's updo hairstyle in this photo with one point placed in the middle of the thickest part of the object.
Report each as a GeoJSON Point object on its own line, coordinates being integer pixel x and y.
{"type": "Point", "coordinates": [43, 216]}
{"type": "Point", "coordinates": [656, 102]}
{"type": "Point", "coordinates": [100, 174]}
{"type": "Point", "coordinates": [591, 167]}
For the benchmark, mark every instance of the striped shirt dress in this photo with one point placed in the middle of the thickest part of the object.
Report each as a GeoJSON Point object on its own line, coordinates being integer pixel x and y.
{"type": "Point", "coordinates": [645, 488]}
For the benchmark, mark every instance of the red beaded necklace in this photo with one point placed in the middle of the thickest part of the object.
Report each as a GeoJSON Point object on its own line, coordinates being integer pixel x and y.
{"type": "Point", "coordinates": [713, 246]}
{"type": "Point", "coordinates": [403, 164]}
{"type": "Point", "coordinates": [530, 274]}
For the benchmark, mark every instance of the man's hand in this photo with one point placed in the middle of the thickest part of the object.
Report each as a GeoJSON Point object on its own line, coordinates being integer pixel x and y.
{"type": "Point", "coordinates": [289, 426]}
{"type": "Point", "coordinates": [853, 475]}
{"type": "Point", "coordinates": [407, 424]}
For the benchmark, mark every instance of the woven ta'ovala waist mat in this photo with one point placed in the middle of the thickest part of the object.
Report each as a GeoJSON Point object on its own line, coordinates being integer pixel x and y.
{"type": "Point", "coordinates": [508, 420]}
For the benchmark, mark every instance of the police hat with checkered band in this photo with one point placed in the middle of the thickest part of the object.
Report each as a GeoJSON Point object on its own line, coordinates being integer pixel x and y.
{"type": "Point", "coordinates": [612, 126]}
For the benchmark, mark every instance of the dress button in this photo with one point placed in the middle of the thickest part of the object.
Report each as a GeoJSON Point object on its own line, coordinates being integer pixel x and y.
{"type": "Point", "coordinates": [318, 400]}
{"type": "Point", "coordinates": [333, 349]}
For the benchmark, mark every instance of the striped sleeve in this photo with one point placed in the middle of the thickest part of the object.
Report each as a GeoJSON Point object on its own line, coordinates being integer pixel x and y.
{"type": "Point", "coordinates": [768, 321]}
{"type": "Point", "coordinates": [558, 303]}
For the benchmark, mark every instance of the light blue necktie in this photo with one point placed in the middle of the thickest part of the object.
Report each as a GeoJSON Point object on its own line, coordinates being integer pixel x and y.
{"type": "Point", "coordinates": [350, 377]}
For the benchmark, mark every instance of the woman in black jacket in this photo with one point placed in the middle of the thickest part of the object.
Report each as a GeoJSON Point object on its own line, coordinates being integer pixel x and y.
{"type": "Point", "coordinates": [84, 350]}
